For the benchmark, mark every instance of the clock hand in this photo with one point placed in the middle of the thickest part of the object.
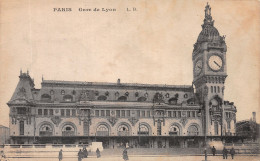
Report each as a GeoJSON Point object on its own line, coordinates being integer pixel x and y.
{"type": "Point", "coordinates": [217, 64]}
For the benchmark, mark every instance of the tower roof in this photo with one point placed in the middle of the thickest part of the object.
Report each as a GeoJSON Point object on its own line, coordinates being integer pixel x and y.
{"type": "Point", "coordinates": [209, 32]}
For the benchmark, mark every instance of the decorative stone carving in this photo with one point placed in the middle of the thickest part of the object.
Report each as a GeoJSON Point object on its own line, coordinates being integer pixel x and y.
{"type": "Point", "coordinates": [183, 121]}
{"type": "Point", "coordinates": [56, 120]}
{"type": "Point", "coordinates": [22, 93]}
{"type": "Point", "coordinates": [205, 91]}
{"type": "Point", "coordinates": [133, 120]}
{"type": "Point", "coordinates": [112, 120]}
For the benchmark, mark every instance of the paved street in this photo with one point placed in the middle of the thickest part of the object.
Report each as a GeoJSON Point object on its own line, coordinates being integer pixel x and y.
{"type": "Point", "coordinates": [146, 158]}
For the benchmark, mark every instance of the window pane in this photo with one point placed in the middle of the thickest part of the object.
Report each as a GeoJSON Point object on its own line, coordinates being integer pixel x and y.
{"type": "Point", "coordinates": [51, 112]}
{"type": "Point", "coordinates": [67, 112]}
{"type": "Point", "coordinates": [39, 111]}
{"type": "Point", "coordinates": [188, 113]}
{"type": "Point", "coordinates": [174, 114]}
{"type": "Point", "coordinates": [96, 112]}
{"type": "Point", "coordinates": [128, 113]}
{"type": "Point", "coordinates": [148, 114]}
{"type": "Point", "coordinates": [107, 112]}
{"type": "Point", "coordinates": [45, 112]}
{"type": "Point", "coordinates": [117, 113]}
{"type": "Point", "coordinates": [62, 112]}
{"type": "Point", "coordinates": [73, 112]}
{"type": "Point", "coordinates": [138, 113]}
{"type": "Point", "coordinates": [123, 113]}
{"type": "Point", "coordinates": [169, 114]}
{"type": "Point", "coordinates": [179, 114]}
{"type": "Point", "coordinates": [102, 113]}
{"type": "Point", "coordinates": [143, 113]}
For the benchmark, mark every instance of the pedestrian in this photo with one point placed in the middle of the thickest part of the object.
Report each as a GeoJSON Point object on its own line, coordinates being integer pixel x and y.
{"type": "Point", "coordinates": [125, 156]}
{"type": "Point", "coordinates": [60, 155]}
{"type": "Point", "coordinates": [85, 152]}
{"type": "Point", "coordinates": [80, 155]}
{"type": "Point", "coordinates": [225, 152]}
{"type": "Point", "coordinates": [232, 152]}
{"type": "Point", "coordinates": [213, 150]}
{"type": "Point", "coordinates": [98, 153]}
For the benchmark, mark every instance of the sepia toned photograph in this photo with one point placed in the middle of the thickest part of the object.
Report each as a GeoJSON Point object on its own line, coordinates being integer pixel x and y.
{"type": "Point", "coordinates": [137, 80]}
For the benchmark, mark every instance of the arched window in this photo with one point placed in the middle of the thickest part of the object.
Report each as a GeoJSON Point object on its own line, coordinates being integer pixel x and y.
{"type": "Point", "coordinates": [122, 98]}
{"type": "Point", "coordinates": [68, 130]}
{"type": "Point", "coordinates": [102, 130]}
{"type": "Point", "coordinates": [102, 98]}
{"type": "Point", "coordinates": [46, 97]}
{"type": "Point", "coordinates": [174, 130]}
{"type": "Point", "coordinates": [123, 130]}
{"type": "Point", "coordinates": [193, 130]}
{"type": "Point", "coordinates": [141, 99]}
{"type": "Point", "coordinates": [143, 130]}
{"type": "Point", "coordinates": [67, 98]}
{"type": "Point", "coordinates": [46, 130]}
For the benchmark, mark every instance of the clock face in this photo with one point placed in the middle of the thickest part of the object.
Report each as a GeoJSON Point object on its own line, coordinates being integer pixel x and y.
{"type": "Point", "coordinates": [215, 62]}
{"type": "Point", "coordinates": [198, 67]}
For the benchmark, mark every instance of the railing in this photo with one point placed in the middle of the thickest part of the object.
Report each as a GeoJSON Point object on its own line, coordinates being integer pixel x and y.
{"type": "Point", "coordinates": [123, 133]}
{"type": "Point", "coordinates": [102, 133]}
{"type": "Point", "coordinates": [171, 133]}
{"type": "Point", "coordinates": [45, 133]}
{"type": "Point", "coordinates": [143, 133]}
{"type": "Point", "coordinates": [68, 133]}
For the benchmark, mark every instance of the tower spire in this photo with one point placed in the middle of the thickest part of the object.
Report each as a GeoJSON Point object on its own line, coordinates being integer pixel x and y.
{"type": "Point", "coordinates": [208, 18]}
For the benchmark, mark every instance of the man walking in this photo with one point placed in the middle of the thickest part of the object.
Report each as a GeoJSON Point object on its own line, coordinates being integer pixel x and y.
{"type": "Point", "coordinates": [213, 150]}
{"type": "Point", "coordinates": [232, 152]}
{"type": "Point", "coordinates": [225, 153]}
{"type": "Point", "coordinates": [60, 155]}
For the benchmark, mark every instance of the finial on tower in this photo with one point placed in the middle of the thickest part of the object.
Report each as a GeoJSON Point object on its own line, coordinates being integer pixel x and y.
{"type": "Point", "coordinates": [208, 19]}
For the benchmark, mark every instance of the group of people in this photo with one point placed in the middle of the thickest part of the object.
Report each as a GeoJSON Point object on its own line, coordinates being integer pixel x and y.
{"type": "Point", "coordinates": [81, 154]}
{"type": "Point", "coordinates": [224, 152]}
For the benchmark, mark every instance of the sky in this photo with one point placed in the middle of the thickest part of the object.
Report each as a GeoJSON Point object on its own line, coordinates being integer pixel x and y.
{"type": "Point", "coordinates": [151, 45]}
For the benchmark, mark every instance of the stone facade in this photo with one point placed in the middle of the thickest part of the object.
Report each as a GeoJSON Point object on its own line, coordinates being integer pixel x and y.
{"type": "Point", "coordinates": [124, 114]}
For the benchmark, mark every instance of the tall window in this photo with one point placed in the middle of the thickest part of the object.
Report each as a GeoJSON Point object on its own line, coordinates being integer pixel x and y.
{"type": "Point", "coordinates": [216, 128]}
{"type": "Point", "coordinates": [138, 113]}
{"type": "Point", "coordinates": [45, 112]}
{"type": "Point", "coordinates": [148, 114]}
{"type": "Point", "coordinates": [21, 127]}
{"type": "Point", "coordinates": [39, 111]}
{"type": "Point", "coordinates": [102, 113]}
{"type": "Point", "coordinates": [123, 113]}
{"type": "Point", "coordinates": [143, 113]}
{"type": "Point", "coordinates": [218, 90]}
{"type": "Point", "coordinates": [211, 89]}
{"type": "Point", "coordinates": [228, 124]}
{"type": "Point", "coordinates": [73, 112]}
{"type": "Point", "coordinates": [62, 112]}
{"type": "Point", "coordinates": [51, 112]}
{"type": "Point", "coordinates": [174, 114]}
{"type": "Point", "coordinates": [67, 112]}
{"type": "Point", "coordinates": [107, 112]}
{"type": "Point", "coordinates": [117, 113]}
{"type": "Point", "coordinates": [169, 113]}
{"type": "Point", "coordinates": [128, 113]}
{"type": "Point", "coordinates": [97, 113]}
{"type": "Point", "coordinates": [179, 114]}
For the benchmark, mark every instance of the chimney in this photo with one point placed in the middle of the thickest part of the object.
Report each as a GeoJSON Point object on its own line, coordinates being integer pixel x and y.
{"type": "Point", "coordinates": [254, 116]}
{"type": "Point", "coordinates": [118, 81]}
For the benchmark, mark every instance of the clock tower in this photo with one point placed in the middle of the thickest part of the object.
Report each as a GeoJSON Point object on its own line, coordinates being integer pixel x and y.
{"type": "Point", "coordinates": [209, 74]}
